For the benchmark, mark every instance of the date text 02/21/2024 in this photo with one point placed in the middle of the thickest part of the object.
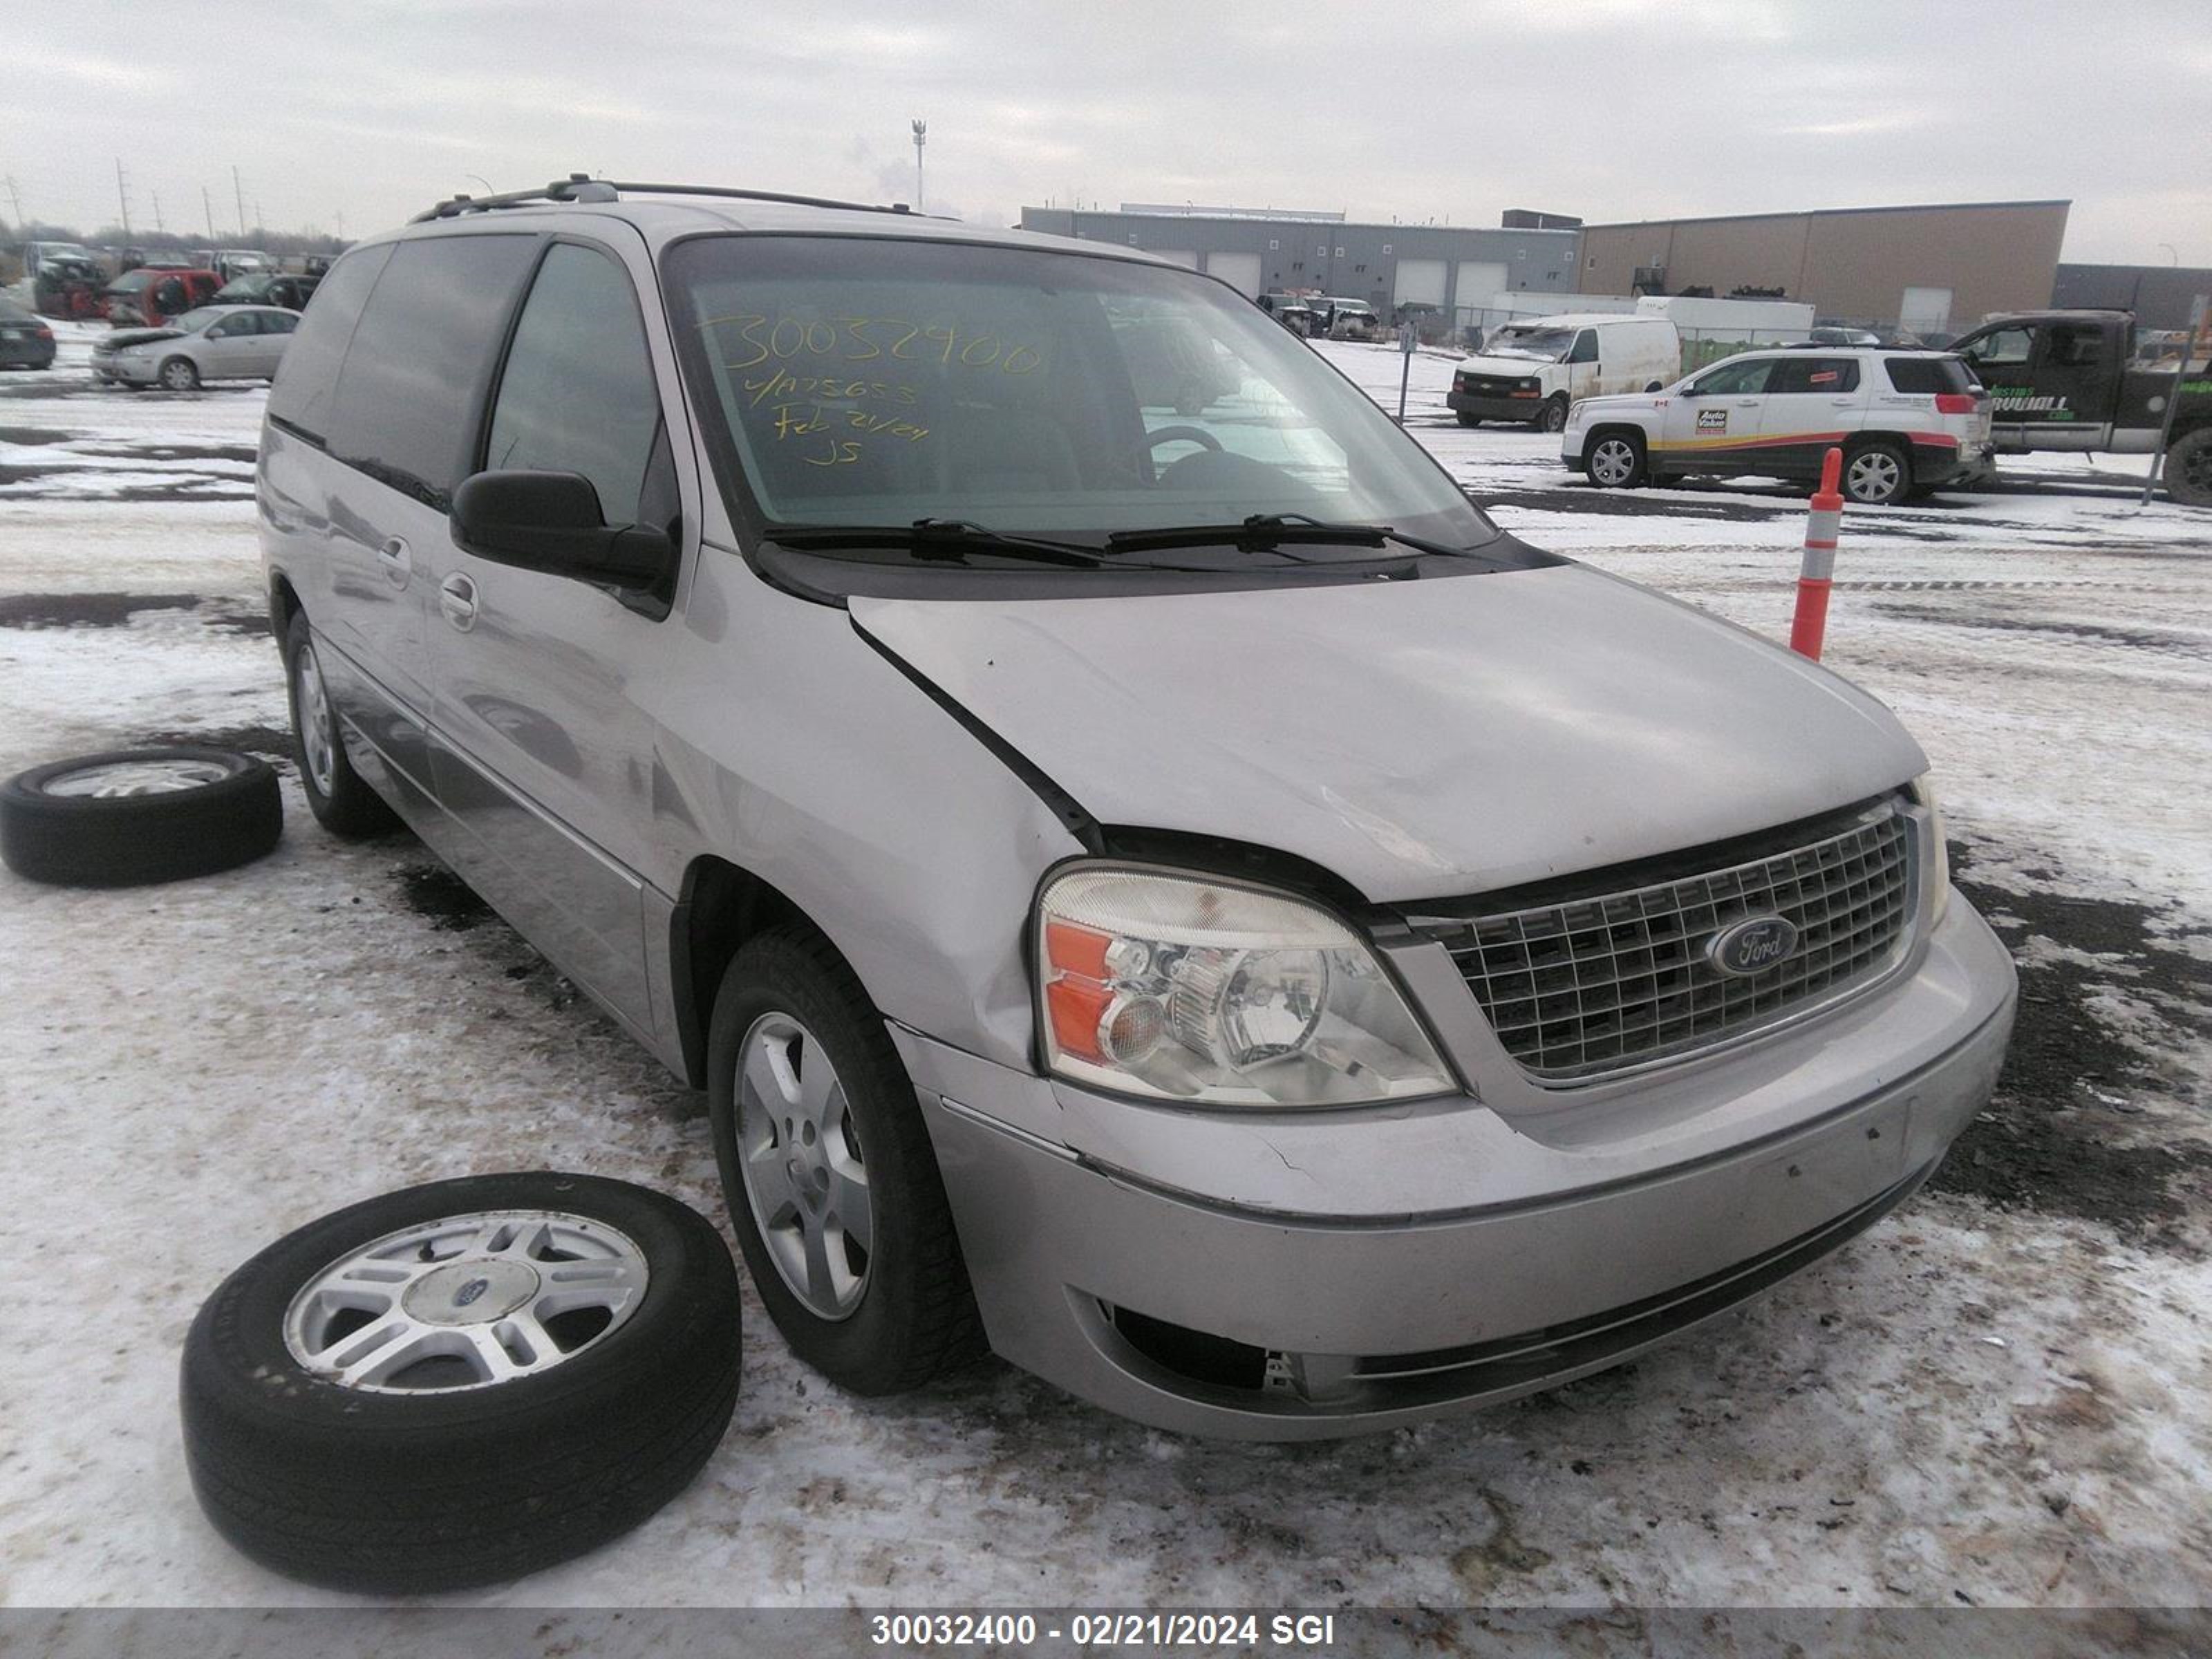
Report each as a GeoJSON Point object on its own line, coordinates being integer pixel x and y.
{"type": "Point", "coordinates": [1315, 1631]}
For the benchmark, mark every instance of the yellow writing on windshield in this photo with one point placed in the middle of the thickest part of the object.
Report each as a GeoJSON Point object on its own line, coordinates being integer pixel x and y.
{"type": "Point", "coordinates": [760, 338]}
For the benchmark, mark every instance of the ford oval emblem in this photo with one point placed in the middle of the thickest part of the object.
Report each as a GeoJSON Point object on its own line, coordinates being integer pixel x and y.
{"type": "Point", "coordinates": [470, 1291]}
{"type": "Point", "coordinates": [1752, 946]}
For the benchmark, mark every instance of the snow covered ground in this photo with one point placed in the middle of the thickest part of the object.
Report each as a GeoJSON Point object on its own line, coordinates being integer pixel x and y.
{"type": "Point", "coordinates": [2000, 1395]}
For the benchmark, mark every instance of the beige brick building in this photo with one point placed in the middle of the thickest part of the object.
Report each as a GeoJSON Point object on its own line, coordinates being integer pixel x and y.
{"type": "Point", "coordinates": [1936, 270]}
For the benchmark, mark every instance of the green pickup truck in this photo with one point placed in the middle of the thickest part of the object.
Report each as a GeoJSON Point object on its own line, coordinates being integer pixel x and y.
{"type": "Point", "coordinates": [2075, 379]}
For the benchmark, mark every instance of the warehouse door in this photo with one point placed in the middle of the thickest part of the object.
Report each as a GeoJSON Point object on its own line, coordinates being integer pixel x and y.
{"type": "Point", "coordinates": [1240, 270]}
{"type": "Point", "coordinates": [1479, 281]}
{"type": "Point", "coordinates": [1925, 311]}
{"type": "Point", "coordinates": [1420, 281]}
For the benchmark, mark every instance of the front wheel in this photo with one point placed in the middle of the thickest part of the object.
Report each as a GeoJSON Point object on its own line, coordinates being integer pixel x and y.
{"type": "Point", "coordinates": [2189, 468]}
{"type": "Point", "coordinates": [832, 1188]}
{"type": "Point", "coordinates": [340, 799]}
{"type": "Point", "coordinates": [1877, 474]}
{"type": "Point", "coordinates": [1552, 418]}
{"type": "Point", "coordinates": [1466, 419]}
{"type": "Point", "coordinates": [178, 374]}
{"type": "Point", "coordinates": [1616, 461]}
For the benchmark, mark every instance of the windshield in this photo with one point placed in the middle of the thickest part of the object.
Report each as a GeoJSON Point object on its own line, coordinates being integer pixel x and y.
{"type": "Point", "coordinates": [1543, 345]}
{"type": "Point", "coordinates": [131, 282]}
{"type": "Point", "coordinates": [863, 381]}
{"type": "Point", "coordinates": [193, 321]}
{"type": "Point", "coordinates": [244, 290]}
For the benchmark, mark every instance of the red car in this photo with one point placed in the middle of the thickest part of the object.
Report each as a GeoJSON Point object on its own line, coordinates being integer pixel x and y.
{"type": "Point", "coordinates": [148, 298]}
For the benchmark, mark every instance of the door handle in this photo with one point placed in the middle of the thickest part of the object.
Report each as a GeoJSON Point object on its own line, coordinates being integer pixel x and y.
{"type": "Point", "coordinates": [1843, 403]}
{"type": "Point", "coordinates": [398, 561]}
{"type": "Point", "coordinates": [457, 598]}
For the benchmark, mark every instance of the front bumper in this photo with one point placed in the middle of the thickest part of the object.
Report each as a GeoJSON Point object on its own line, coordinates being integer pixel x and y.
{"type": "Point", "coordinates": [1495, 408]}
{"type": "Point", "coordinates": [117, 372]}
{"type": "Point", "coordinates": [1575, 1243]}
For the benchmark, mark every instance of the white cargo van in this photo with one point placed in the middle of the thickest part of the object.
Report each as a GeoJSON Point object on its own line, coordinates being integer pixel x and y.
{"type": "Point", "coordinates": [1531, 370]}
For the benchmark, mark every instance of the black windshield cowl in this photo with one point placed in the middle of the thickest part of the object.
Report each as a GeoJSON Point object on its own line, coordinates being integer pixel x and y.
{"type": "Point", "coordinates": [949, 540]}
{"type": "Point", "coordinates": [1266, 532]}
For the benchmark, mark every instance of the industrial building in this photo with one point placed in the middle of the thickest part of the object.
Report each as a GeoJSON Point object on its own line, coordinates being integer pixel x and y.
{"type": "Point", "coordinates": [1936, 270]}
{"type": "Point", "coordinates": [1455, 268]}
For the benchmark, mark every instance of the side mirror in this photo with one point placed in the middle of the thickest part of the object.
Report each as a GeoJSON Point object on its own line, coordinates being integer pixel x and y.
{"type": "Point", "coordinates": [551, 522]}
{"type": "Point", "coordinates": [1687, 390]}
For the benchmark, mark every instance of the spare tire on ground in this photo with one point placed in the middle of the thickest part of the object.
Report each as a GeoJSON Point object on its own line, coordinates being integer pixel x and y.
{"type": "Point", "coordinates": [139, 815]}
{"type": "Point", "coordinates": [461, 1383]}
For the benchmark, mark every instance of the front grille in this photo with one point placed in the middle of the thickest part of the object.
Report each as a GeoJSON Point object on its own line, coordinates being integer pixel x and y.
{"type": "Point", "coordinates": [1579, 989]}
{"type": "Point", "coordinates": [1486, 385]}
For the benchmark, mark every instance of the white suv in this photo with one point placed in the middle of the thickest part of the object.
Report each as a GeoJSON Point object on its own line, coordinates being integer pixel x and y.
{"type": "Point", "coordinates": [1908, 422]}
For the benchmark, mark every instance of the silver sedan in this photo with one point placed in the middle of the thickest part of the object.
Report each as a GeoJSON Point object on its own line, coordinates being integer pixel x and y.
{"type": "Point", "coordinates": [215, 343]}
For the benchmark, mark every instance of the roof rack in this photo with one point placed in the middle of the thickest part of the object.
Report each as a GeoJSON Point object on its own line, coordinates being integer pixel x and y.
{"type": "Point", "coordinates": [582, 187]}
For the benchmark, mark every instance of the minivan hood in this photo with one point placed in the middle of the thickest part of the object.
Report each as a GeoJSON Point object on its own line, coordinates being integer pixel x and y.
{"type": "Point", "coordinates": [1420, 739]}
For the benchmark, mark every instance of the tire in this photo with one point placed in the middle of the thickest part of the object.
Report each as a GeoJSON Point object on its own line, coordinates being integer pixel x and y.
{"type": "Point", "coordinates": [1466, 419]}
{"type": "Point", "coordinates": [137, 815]}
{"type": "Point", "coordinates": [397, 1485]}
{"type": "Point", "coordinates": [178, 374]}
{"type": "Point", "coordinates": [891, 1316]}
{"type": "Point", "coordinates": [2189, 468]}
{"type": "Point", "coordinates": [1615, 460]}
{"type": "Point", "coordinates": [1877, 474]}
{"type": "Point", "coordinates": [338, 796]}
{"type": "Point", "coordinates": [1190, 398]}
{"type": "Point", "coordinates": [1552, 418]}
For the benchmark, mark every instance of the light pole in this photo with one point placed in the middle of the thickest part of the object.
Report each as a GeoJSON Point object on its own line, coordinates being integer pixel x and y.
{"type": "Point", "coordinates": [920, 137]}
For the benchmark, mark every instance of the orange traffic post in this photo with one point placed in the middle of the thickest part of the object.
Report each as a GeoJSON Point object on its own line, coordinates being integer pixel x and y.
{"type": "Point", "coordinates": [1818, 573]}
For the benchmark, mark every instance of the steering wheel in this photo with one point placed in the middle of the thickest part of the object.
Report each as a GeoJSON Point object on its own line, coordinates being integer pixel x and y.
{"type": "Point", "coordinates": [1166, 434]}
{"type": "Point", "coordinates": [1198, 436]}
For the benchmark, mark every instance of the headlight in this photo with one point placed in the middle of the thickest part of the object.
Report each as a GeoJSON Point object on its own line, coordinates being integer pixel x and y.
{"type": "Point", "coordinates": [1192, 989]}
{"type": "Point", "coordinates": [1923, 790]}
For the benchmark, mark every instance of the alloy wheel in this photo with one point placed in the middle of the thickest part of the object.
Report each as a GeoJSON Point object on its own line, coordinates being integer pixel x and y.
{"type": "Point", "coordinates": [805, 1175]}
{"type": "Point", "coordinates": [465, 1302]}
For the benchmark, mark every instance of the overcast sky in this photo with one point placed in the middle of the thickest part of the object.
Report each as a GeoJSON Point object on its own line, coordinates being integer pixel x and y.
{"type": "Point", "coordinates": [360, 113]}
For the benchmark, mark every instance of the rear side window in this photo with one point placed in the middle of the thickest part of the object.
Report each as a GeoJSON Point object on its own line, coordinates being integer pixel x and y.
{"type": "Point", "coordinates": [577, 392]}
{"type": "Point", "coordinates": [1832, 374]}
{"type": "Point", "coordinates": [419, 357]}
{"type": "Point", "coordinates": [1925, 376]}
{"type": "Point", "coordinates": [302, 397]}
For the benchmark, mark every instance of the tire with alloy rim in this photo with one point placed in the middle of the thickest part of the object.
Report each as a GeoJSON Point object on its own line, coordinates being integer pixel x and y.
{"type": "Point", "coordinates": [461, 1383]}
{"type": "Point", "coordinates": [2189, 468]}
{"type": "Point", "coordinates": [179, 375]}
{"type": "Point", "coordinates": [341, 800]}
{"type": "Point", "coordinates": [1615, 460]}
{"type": "Point", "coordinates": [833, 1189]}
{"type": "Point", "coordinates": [139, 815]}
{"type": "Point", "coordinates": [1877, 474]}
{"type": "Point", "coordinates": [1552, 418]}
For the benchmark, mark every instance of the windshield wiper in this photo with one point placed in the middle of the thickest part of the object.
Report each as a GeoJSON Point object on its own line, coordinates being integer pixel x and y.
{"type": "Point", "coordinates": [949, 540]}
{"type": "Point", "coordinates": [1266, 532]}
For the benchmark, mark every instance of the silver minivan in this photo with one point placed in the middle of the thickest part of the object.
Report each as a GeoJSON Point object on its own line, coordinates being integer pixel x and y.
{"type": "Point", "coordinates": [1180, 900]}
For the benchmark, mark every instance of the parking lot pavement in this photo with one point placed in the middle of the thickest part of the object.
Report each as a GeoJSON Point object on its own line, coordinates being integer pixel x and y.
{"type": "Point", "coordinates": [2000, 1395]}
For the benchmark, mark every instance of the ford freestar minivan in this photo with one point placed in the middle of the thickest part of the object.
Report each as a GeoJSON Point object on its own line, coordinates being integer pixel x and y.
{"type": "Point", "coordinates": [1180, 898]}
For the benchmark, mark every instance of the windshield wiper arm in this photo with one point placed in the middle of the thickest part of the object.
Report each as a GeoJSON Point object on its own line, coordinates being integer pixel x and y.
{"type": "Point", "coordinates": [947, 539]}
{"type": "Point", "coordinates": [1264, 532]}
